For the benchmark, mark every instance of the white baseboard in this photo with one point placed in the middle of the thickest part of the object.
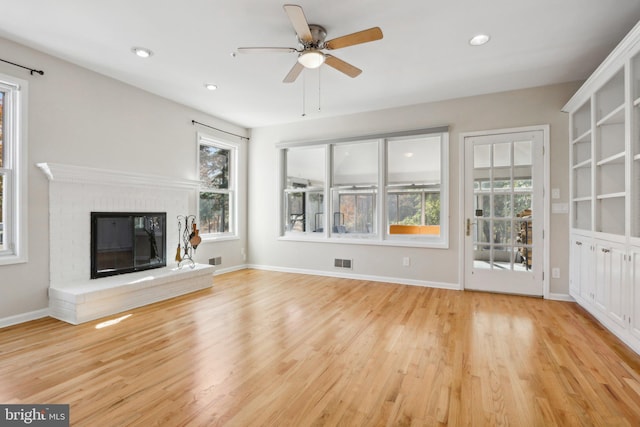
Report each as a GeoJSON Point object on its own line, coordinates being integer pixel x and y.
{"type": "Point", "coordinates": [230, 269]}
{"type": "Point", "coordinates": [24, 317]}
{"type": "Point", "coordinates": [560, 297]}
{"type": "Point", "coordinates": [343, 275]}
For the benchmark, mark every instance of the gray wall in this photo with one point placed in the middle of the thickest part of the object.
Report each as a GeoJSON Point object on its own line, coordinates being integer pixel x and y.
{"type": "Point", "coordinates": [82, 118]}
{"type": "Point", "coordinates": [534, 106]}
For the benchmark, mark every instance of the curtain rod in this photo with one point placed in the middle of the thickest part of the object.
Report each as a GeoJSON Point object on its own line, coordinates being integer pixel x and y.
{"type": "Point", "coordinates": [31, 70]}
{"type": "Point", "coordinates": [194, 122]}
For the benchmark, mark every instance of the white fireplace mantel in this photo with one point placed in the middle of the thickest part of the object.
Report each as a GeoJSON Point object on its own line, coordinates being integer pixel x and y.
{"type": "Point", "coordinates": [82, 174]}
{"type": "Point", "coordinates": [75, 192]}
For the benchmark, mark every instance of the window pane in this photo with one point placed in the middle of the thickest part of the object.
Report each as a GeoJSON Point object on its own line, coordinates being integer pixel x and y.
{"type": "Point", "coordinates": [413, 193]}
{"type": "Point", "coordinates": [315, 209]}
{"type": "Point", "coordinates": [214, 166]}
{"type": "Point", "coordinates": [305, 167]}
{"type": "Point", "coordinates": [2, 204]}
{"type": "Point", "coordinates": [295, 212]}
{"type": "Point", "coordinates": [355, 164]}
{"type": "Point", "coordinates": [414, 161]}
{"type": "Point", "coordinates": [1, 128]}
{"type": "Point", "coordinates": [355, 212]}
{"type": "Point", "coordinates": [214, 212]}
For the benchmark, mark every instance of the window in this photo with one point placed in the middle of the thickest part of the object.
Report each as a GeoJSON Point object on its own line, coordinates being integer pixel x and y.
{"type": "Point", "coordinates": [218, 175]}
{"type": "Point", "coordinates": [354, 187]}
{"type": "Point", "coordinates": [391, 190]}
{"type": "Point", "coordinates": [304, 190]}
{"type": "Point", "coordinates": [414, 178]}
{"type": "Point", "coordinates": [13, 208]}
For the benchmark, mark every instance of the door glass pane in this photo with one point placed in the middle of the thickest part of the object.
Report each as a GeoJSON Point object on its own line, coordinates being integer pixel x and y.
{"type": "Point", "coordinates": [522, 153]}
{"type": "Point", "coordinates": [483, 231]}
{"type": "Point", "coordinates": [502, 205]}
{"type": "Point", "coordinates": [482, 156]}
{"type": "Point", "coordinates": [502, 179]}
{"type": "Point", "coordinates": [501, 232]}
{"type": "Point", "coordinates": [502, 154]}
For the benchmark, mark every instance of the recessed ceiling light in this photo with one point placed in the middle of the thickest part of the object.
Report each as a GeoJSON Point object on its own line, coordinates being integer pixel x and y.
{"type": "Point", "coordinates": [210, 86]}
{"type": "Point", "coordinates": [479, 40]}
{"type": "Point", "coordinates": [409, 154]}
{"type": "Point", "coordinates": [142, 52]}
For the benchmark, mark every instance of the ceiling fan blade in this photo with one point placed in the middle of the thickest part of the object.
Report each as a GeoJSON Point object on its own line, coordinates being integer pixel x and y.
{"type": "Point", "coordinates": [299, 22]}
{"type": "Point", "coordinates": [266, 49]}
{"type": "Point", "coordinates": [343, 67]}
{"type": "Point", "coordinates": [294, 73]}
{"type": "Point", "coordinates": [364, 36]}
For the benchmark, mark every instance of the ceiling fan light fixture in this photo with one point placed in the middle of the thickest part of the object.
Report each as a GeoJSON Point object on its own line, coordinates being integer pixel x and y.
{"type": "Point", "coordinates": [311, 58]}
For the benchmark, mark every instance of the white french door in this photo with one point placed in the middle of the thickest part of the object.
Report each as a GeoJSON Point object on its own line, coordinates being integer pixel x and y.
{"type": "Point", "coordinates": [504, 215]}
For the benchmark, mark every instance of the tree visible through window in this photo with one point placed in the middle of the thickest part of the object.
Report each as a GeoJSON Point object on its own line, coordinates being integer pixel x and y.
{"type": "Point", "coordinates": [217, 191]}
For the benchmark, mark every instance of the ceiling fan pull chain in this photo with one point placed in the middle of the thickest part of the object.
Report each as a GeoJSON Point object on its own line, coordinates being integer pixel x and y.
{"type": "Point", "coordinates": [319, 87]}
{"type": "Point", "coordinates": [304, 85]}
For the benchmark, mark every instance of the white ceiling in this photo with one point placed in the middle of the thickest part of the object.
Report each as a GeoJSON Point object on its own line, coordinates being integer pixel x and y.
{"type": "Point", "coordinates": [424, 55]}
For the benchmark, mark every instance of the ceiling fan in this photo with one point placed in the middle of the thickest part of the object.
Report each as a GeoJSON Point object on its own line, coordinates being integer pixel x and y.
{"type": "Point", "coordinates": [311, 45]}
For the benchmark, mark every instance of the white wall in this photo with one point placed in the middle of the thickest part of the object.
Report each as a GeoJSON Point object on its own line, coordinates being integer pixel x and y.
{"type": "Point", "coordinates": [534, 106]}
{"type": "Point", "coordinates": [79, 117]}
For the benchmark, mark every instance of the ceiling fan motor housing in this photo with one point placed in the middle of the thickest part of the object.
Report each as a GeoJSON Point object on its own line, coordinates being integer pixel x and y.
{"type": "Point", "coordinates": [318, 34]}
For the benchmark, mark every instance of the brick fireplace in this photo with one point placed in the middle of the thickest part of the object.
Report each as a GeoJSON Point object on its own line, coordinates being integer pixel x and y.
{"type": "Point", "coordinates": [75, 192]}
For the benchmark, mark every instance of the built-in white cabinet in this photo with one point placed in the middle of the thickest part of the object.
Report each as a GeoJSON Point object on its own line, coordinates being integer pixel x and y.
{"type": "Point", "coordinates": [604, 137]}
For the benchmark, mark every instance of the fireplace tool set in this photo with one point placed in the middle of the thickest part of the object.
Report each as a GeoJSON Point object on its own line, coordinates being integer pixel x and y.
{"type": "Point", "coordinates": [189, 235]}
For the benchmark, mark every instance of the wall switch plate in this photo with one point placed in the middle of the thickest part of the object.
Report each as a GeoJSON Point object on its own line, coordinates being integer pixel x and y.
{"type": "Point", "coordinates": [555, 273]}
{"type": "Point", "coordinates": [406, 261]}
{"type": "Point", "coordinates": [555, 193]}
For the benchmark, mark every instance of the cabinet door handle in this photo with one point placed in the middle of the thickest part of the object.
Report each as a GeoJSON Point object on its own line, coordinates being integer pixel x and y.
{"type": "Point", "coordinates": [605, 250]}
{"type": "Point", "coordinates": [578, 243]}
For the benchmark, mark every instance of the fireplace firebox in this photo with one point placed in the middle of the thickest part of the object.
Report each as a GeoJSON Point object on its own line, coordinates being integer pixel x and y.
{"type": "Point", "coordinates": [124, 242]}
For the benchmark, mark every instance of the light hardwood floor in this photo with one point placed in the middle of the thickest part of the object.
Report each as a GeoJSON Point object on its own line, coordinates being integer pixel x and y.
{"type": "Point", "coordinates": [276, 349]}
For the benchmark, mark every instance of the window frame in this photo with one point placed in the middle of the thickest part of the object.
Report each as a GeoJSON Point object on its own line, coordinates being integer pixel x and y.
{"type": "Point", "coordinates": [231, 191]}
{"type": "Point", "coordinates": [380, 234]}
{"type": "Point", "coordinates": [14, 169]}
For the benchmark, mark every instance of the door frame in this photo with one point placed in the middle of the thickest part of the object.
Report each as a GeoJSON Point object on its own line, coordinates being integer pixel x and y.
{"type": "Point", "coordinates": [545, 198]}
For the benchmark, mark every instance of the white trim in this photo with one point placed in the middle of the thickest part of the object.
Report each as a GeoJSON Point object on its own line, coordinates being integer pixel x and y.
{"type": "Point", "coordinates": [16, 154]}
{"type": "Point", "coordinates": [545, 129]}
{"type": "Point", "coordinates": [234, 176]}
{"type": "Point", "coordinates": [559, 297]}
{"type": "Point", "coordinates": [56, 172]}
{"type": "Point", "coordinates": [24, 317]}
{"type": "Point", "coordinates": [394, 280]}
{"type": "Point", "coordinates": [230, 269]}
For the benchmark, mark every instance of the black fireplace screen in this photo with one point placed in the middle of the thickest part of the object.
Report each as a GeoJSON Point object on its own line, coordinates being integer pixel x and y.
{"type": "Point", "coordinates": [124, 242]}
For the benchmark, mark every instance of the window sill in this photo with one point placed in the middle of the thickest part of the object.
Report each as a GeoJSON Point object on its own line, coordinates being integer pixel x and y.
{"type": "Point", "coordinates": [369, 241]}
{"type": "Point", "coordinates": [221, 238]}
{"type": "Point", "coordinates": [12, 259]}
